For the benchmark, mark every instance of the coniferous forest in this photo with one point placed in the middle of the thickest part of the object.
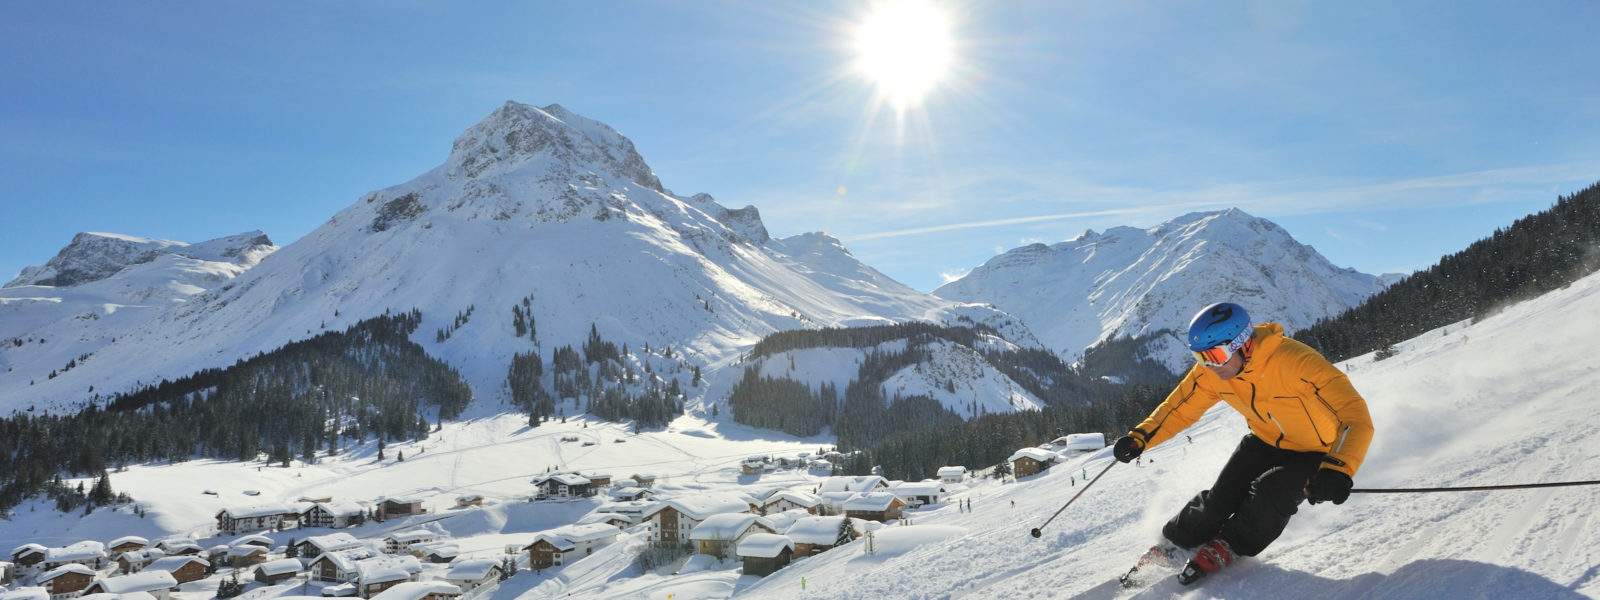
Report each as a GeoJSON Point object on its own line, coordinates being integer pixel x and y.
{"type": "Point", "coordinates": [1536, 254]}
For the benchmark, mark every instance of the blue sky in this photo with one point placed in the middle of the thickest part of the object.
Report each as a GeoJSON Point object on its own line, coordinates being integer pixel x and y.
{"type": "Point", "coordinates": [1385, 134]}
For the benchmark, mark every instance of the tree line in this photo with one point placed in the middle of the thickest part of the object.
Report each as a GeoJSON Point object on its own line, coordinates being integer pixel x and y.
{"type": "Point", "coordinates": [1536, 254]}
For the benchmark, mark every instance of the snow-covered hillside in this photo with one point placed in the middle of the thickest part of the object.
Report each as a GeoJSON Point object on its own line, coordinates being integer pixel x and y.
{"type": "Point", "coordinates": [536, 208]}
{"type": "Point", "coordinates": [1501, 401]}
{"type": "Point", "coordinates": [103, 286]}
{"type": "Point", "coordinates": [1130, 282]}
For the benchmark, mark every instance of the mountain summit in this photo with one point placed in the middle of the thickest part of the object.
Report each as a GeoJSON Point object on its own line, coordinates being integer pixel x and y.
{"type": "Point", "coordinates": [1147, 283]}
{"type": "Point", "coordinates": [543, 228]}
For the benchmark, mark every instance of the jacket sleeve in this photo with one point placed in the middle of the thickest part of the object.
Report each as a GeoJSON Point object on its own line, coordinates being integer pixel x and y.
{"type": "Point", "coordinates": [1332, 387]}
{"type": "Point", "coordinates": [1185, 405]}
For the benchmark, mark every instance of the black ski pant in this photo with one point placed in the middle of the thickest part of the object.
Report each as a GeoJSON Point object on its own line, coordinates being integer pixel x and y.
{"type": "Point", "coordinates": [1251, 502]}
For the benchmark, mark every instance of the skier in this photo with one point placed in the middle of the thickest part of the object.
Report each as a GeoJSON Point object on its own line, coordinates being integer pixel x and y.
{"type": "Point", "coordinates": [1309, 431]}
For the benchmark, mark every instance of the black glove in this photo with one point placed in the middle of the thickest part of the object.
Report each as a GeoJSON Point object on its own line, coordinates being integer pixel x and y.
{"type": "Point", "coordinates": [1329, 485]}
{"type": "Point", "coordinates": [1128, 448]}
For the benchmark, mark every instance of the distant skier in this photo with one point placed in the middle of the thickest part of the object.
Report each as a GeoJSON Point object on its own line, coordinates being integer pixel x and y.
{"type": "Point", "coordinates": [1309, 431]}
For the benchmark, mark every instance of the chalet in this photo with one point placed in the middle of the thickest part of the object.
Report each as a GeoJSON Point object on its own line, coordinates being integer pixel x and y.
{"type": "Point", "coordinates": [599, 480]}
{"type": "Point", "coordinates": [87, 553]}
{"type": "Point", "coordinates": [633, 510]}
{"type": "Point", "coordinates": [920, 493]}
{"type": "Point", "coordinates": [719, 535]}
{"type": "Point", "coordinates": [179, 547]}
{"type": "Point", "coordinates": [66, 581]}
{"type": "Point", "coordinates": [470, 500]}
{"type": "Point", "coordinates": [184, 569]}
{"type": "Point", "coordinates": [437, 552]}
{"type": "Point", "coordinates": [246, 555]}
{"type": "Point", "coordinates": [337, 567]}
{"type": "Point", "coordinates": [1079, 443]}
{"type": "Point", "coordinates": [277, 571]}
{"type": "Point", "coordinates": [813, 535]}
{"type": "Point", "coordinates": [1031, 461]}
{"type": "Point", "coordinates": [389, 508]}
{"type": "Point", "coordinates": [764, 553]}
{"type": "Point", "coordinates": [672, 520]}
{"type": "Point", "coordinates": [260, 517]}
{"type": "Point", "coordinates": [613, 519]}
{"type": "Point", "coordinates": [563, 545]}
{"type": "Point", "coordinates": [859, 484]}
{"type": "Point", "coordinates": [333, 515]}
{"type": "Point", "coordinates": [952, 474]}
{"type": "Point", "coordinates": [821, 465]}
{"type": "Point", "coordinates": [133, 561]}
{"type": "Point", "coordinates": [644, 480]}
{"type": "Point", "coordinates": [318, 545]}
{"type": "Point", "coordinates": [471, 573]}
{"type": "Point", "coordinates": [752, 466]}
{"type": "Point", "coordinates": [783, 500]}
{"type": "Point", "coordinates": [563, 484]}
{"type": "Point", "coordinates": [252, 540]}
{"type": "Point", "coordinates": [376, 575]}
{"type": "Point", "coordinates": [157, 584]}
{"type": "Point", "coordinates": [420, 590]}
{"type": "Point", "coordinates": [127, 543]}
{"type": "Point", "coordinates": [876, 506]}
{"type": "Point", "coordinates": [631, 493]}
{"type": "Point", "coordinates": [315, 499]}
{"type": "Point", "coordinates": [402, 542]}
{"type": "Point", "coordinates": [28, 559]}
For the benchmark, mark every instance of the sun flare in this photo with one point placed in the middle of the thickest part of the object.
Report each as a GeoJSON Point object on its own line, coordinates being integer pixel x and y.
{"type": "Point", "coordinates": [904, 47]}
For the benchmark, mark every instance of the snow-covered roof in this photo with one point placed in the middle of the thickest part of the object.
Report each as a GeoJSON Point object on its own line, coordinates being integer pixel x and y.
{"type": "Point", "coordinates": [173, 563]}
{"type": "Point", "coordinates": [343, 561]}
{"type": "Point", "coordinates": [177, 546]}
{"type": "Point", "coordinates": [727, 526]}
{"type": "Point", "coordinates": [872, 502]}
{"type": "Point", "coordinates": [471, 569]}
{"type": "Point", "coordinates": [860, 483]}
{"type": "Point", "coordinates": [282, 566]}
{"type": "Point", "coordinates": [333, 542]}
{"type": "Point", "coordinates": [25, 593]}
{"type": "Point", "coordinates": [63, 570]}
{"type": "Point", "coordinates": [605, 518]}
{"type": "Point", "coordinates": [143, 581]}
{"type": "Point", "coordinates": [1038, 454]}
{"type": "Point", "coordinates": [920, 488]}
{"type": "Point", "coordinates": [805, 499]}
{"type": "Point", "coordinates": [245, 550]}
{"type": "Point", "coordinates": [28, 549]}
{"type": "Point", "coordinates": [85, 550]}
{"type": "Point", "coordinates": [764, 545]}
{"type": "Point", "coordinates": [129, 539]}
{"type": "Point", "coordinates": [439, 549]}
{"type": "Point", "coordinates": [952, 471]}
{"type": "Point", "coordinates": [816, 530]}
{"type": "Point", "coordinates": [337, 509]}
{"type": "Point", "coordinates": [258, 510]}
{"type": "Point", "coordinates": [701, 506]}
{"type": "Point", "coordinates": [390, 568]}
{"type": "Point", "coordinates": [254, 539]}
{"type": "Point", "coordinates": [417, 590]}
{"type": "Point", "coordinates": [563, 478]}
{"type": "Point", "coordinates": [412, 536]}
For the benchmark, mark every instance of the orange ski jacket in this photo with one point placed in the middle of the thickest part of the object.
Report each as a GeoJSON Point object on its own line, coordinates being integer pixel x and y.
{"type": "Point", "coordinates": [1290, 395]}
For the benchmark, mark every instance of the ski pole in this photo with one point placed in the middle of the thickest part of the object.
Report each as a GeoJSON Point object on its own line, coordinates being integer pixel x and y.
{"type": "Point", "coordinates": [1478, 488]}
{"type": "Point", "coordinates": [1037, 533]}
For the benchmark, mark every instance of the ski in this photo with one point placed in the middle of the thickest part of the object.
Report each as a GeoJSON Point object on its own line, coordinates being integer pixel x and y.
{"type": "Point", "coordinates": [1159, 560]}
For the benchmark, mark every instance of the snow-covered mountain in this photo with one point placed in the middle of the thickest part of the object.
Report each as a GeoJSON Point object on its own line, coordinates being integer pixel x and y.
{"type": "Point", "coordinates": [1443, 416]}
{"type": "Point", "coordinates": [1130, 282]}
{"type": "Point", "coordinates": [103, 286]}
{"type": "Point", "coordinates": [536, 209]}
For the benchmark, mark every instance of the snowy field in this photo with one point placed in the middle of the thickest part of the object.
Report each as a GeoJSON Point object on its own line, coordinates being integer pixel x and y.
{"type": "Point", "coordinates": [1497, 402]}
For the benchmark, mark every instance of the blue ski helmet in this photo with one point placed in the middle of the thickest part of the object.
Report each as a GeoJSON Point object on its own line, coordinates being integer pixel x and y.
{"type": "Point", "coordinates": [1217, 325]}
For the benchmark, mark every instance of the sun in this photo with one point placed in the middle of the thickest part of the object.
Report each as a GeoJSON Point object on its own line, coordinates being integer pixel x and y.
{"type": "Point", "coordinates": [904, 46]}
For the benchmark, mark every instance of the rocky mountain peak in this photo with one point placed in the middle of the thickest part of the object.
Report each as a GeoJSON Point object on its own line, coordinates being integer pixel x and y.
{"type": "Point", "coordinates": [517, 135]}
{"type": "Point", "coordinates": [94, 256]}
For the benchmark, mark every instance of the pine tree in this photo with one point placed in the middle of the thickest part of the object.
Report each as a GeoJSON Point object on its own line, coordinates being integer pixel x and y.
{"type": "Point", "coordinates": [847, 533]}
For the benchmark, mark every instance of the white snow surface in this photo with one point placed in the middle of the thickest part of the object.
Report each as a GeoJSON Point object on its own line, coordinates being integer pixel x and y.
{"type": "Point", "coordinates": [1130, 282]}
{"type": "Point", "coordinates": [534, 205]}
{"type": "Point", "coordinates": [1500, 401]}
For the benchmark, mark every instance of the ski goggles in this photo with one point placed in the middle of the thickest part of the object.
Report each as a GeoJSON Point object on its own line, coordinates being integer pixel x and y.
{"type": "Point", "coordinates": [1218, 356]}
